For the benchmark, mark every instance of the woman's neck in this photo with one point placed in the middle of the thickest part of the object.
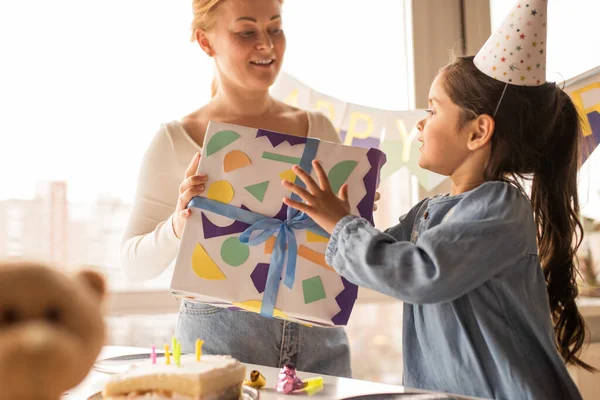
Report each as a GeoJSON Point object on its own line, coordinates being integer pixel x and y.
{"type": "Point", "coordinates": [243, 103]}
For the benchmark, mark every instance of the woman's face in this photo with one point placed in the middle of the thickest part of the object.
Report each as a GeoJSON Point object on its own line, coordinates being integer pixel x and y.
{"type": "Point", "coordinates": [248, 43]}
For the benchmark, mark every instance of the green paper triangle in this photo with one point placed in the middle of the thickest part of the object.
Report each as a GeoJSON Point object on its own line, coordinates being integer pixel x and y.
{"type": "Point", "coordinates": [258, 190]}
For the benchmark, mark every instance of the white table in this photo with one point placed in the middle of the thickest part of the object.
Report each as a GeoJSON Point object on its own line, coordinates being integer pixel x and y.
{"type": "Point", "coordinates": [333, 388]}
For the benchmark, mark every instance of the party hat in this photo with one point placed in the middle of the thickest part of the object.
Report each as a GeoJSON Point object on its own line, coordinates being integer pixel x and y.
{"type": "Point", "coordinates": [516, 52]}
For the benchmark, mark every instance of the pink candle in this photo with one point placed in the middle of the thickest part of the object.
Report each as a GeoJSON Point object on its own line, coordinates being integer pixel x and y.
{"type": "Point", "coordinates": [153, 355]}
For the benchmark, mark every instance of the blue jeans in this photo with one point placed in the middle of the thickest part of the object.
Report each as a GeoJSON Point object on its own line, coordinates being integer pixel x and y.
{"type": "Point", "coordinates": [254, 339]}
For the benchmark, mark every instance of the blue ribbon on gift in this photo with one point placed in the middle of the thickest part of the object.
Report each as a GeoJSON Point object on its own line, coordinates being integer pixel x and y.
{"type": "Point", "coordinates": [266, 227]}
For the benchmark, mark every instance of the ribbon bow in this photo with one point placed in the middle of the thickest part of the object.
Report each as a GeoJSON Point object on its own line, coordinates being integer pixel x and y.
{"type": "Point", "coordinates": [286, 239]}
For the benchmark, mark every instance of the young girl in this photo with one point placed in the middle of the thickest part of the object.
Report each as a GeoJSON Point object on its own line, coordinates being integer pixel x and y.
{"type": "Point", "coordinates": [486, 273]}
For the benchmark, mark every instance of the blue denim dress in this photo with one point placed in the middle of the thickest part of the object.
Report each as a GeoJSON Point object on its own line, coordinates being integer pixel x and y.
{"type": "Point", "coordinates": [254, 339]}
{"type": "Point", "coordinates": [476, 314]}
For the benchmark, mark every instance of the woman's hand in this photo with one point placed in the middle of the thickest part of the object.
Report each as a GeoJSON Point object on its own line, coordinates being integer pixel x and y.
{"type": "Point", "coordinates": [377, 197]}
{"type": "Point", "coordinates": [192, 185]}
{"type": "Point", "coordinates": [320, 203]}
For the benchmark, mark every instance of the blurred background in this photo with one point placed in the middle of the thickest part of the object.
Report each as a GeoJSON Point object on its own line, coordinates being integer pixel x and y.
{"type": "Point", "coordinates": [85, 85]}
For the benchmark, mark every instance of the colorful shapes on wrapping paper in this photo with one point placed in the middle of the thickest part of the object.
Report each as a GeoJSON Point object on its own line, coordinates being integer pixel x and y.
{"type": "Point", "coordinates": [339, 174]}
{"type": "Point", "coordinates": [235, 159]}
{"type": "Point", "coordinates": [234, 252]}
{"type": "Point", "coordinates": [257, 380]}
{"type": "Point", "coordinates": [255, 305]}
{"type": "Point", "coordinates": [204, 266]}
{"type": "Point", "coordinates": [281, 158]}
{"type": "Point", "coordinates": [259, 276]}
{"type": "Point", "coordinates": [277, 138]}
{"type": "Point", "coordinates": [371, 180]}
{"type": "Point", "coordinates": [270, 245]}
{"type": "Point", "coordinates": [221, 191]}
{"type": "Point", "coordinates": [288, 175]}
{"type": "Point", "coordinates": [211, 230]}
{"type": "Point", "coordinates": [345, 300]}
{"type": "Point", "coordinates": [220, 140]}
{"type": "Point", "coordinates": [258, 190]}
{"type": "Point", "coordinates": [314, 238]}
{"type": "Point", "coordinates": [313, 256]}
{"type": "Point", "coordinates": [313, 290]}
{"type": "Point", "coordinates": [287, 380]}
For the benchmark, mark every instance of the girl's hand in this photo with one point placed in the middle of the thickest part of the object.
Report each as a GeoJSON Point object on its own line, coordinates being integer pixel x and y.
{"type": "Point", "coordinates": [320, 203]}
{"type": "Point", "coordinates": [377, 198]}
{"type": "Point", "coordinates": [192, 185]}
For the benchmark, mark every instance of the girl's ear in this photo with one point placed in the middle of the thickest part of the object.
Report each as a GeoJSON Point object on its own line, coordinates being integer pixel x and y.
{"type": "Point", "coordinates": [481, 131]}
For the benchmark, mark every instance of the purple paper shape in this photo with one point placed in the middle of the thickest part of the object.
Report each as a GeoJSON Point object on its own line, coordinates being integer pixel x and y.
{"type": "Point", "coordinates": [259, 276]}
{"type": "Point", "coordinates": [277, 138]}
{"type": "Point", "coordinates": [365, 208]}
{"type": "Point", "coordinates": [345, 301]}
{"type": "Point", "coordinates": [211, 230]}
{"type": "Point", "coordinates": [368, 143]}
{"type": "Point", "coordinates": [282, 214]}
{"type": "Point", "coordinates": [233, 308]}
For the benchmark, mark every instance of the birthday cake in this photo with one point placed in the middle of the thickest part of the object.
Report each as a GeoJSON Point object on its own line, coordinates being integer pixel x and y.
{"type": "Point", "coordinates": [211, 378]}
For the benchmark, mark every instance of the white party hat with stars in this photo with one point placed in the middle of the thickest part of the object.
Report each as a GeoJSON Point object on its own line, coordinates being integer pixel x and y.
{"type": "Point", "coordinates": [516, 52]}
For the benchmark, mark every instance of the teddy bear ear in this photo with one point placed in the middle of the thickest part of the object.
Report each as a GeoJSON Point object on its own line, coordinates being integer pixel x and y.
{"type": "Point", "coordinates": [94, 281]}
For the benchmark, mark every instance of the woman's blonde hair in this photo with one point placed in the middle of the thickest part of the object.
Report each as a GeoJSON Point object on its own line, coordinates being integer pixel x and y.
{"type": "Point", "coordinates": [204, 15]}
{"type": "Point", "coordinates": [204, 18]}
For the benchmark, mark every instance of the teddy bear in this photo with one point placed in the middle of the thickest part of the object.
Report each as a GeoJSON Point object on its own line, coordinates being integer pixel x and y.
{"type": "Point", "coordinates": [51, 329]}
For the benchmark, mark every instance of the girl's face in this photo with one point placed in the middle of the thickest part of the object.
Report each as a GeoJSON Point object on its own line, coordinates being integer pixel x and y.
{"type": "Point", "coordinates": [248, 43]}
{"type": "Point", "coordinates": [444, 142]}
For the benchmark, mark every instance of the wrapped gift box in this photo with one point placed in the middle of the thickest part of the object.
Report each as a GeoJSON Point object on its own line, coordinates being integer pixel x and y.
{"type": "Point", "coordinates": [243, 249]}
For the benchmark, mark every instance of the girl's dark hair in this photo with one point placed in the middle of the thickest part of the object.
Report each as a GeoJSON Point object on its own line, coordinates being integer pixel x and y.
{"type": "Point", "coordinates": [536, 137]}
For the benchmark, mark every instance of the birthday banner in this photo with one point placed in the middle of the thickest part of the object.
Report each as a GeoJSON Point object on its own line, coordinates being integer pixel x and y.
{"type": "Point", "coordinates": [395, 132]}
{"type": "Point", "coordinates": [585, 92]}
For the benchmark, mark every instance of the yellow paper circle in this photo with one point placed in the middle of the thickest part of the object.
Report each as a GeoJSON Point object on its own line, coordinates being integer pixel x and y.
{"type": "Point", "coordinates": [221, 191]}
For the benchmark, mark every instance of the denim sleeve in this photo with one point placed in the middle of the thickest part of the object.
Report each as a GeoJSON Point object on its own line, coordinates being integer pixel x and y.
{"type": "Point", "coordinates": [487, 232]}
{"type": "Point", "coordinates": [403, 230]}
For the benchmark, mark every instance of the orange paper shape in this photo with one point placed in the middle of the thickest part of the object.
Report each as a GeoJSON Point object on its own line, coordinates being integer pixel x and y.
{"type": "Point", "coordinates": [314, 256]}
{"type": "Point", "coordinates": [234, 160]}
{"type": "Point", "coordinates": [270, 245]}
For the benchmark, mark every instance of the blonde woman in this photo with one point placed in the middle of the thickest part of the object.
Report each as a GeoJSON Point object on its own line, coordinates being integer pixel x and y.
{"type": "Point", "coordinates": [247, 43]}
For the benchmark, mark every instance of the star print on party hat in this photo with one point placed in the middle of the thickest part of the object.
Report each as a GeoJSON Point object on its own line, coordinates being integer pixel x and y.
{"type": "Point", "coordinates": [516, 52]}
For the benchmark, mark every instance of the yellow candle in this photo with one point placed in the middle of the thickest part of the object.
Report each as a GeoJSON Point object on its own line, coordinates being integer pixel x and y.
{"type": "Point", "coordinates": [174, 345]}
{"type": "Point", "coordinates": [167, 354]}
{"type": "Point", "coordinates": [199, 344]}
{"type": "Point", "coordinates": [178, 354]}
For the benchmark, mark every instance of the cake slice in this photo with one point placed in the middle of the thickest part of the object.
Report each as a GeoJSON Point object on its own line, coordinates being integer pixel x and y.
{"type": "Point", "coordinates": [211, 378]}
